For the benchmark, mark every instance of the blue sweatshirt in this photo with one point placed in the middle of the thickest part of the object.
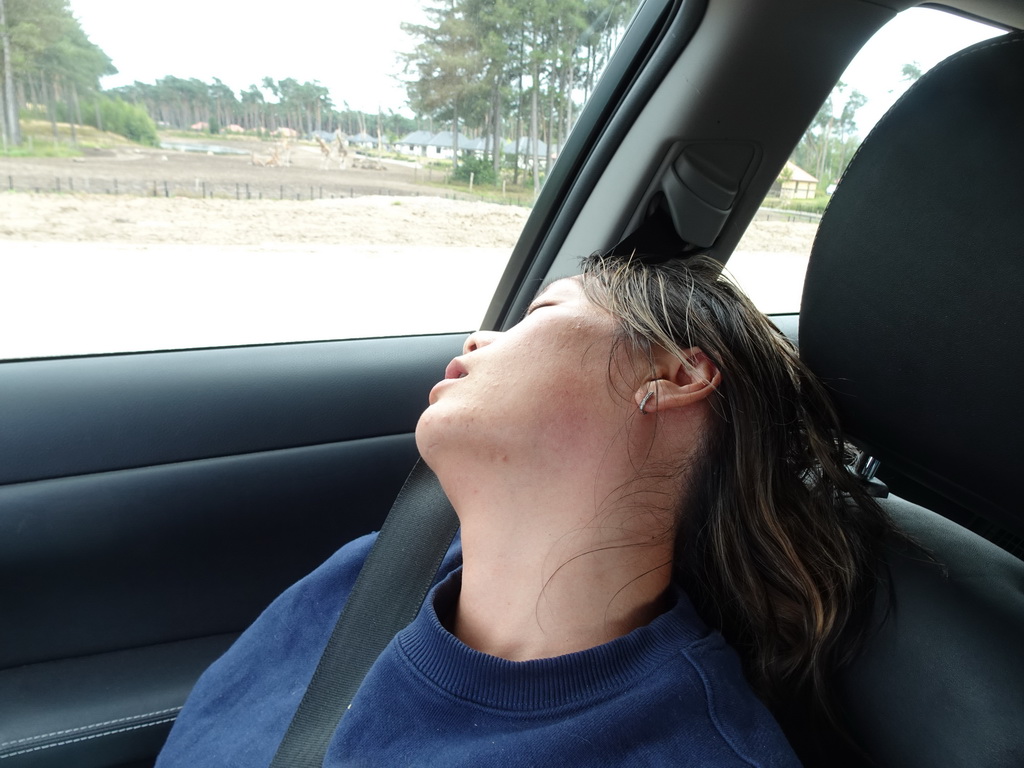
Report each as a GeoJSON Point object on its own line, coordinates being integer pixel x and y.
{"type": "Point", "coordinates": [668, 693]}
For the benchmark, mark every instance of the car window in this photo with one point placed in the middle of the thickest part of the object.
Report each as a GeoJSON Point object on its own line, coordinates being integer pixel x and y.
{"type": "Point", "coordinates": [234, 175]}
{"type": "Point", "coordinates": [770, 260]}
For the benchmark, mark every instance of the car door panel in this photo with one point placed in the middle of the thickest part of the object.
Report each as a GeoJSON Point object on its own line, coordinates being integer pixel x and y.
{"type": "Point", "coordinates": [100, 710]}
{"type": "Point", "coordinates": [74, 416]}
{"type": "Point", "coordinates": [181, 550]}
{"type": "Point", "coordinates": [151, 505]}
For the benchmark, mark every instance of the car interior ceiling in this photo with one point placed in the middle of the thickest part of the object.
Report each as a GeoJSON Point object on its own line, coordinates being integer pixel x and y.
{"type": "Point", "coordinates": [687, 153]}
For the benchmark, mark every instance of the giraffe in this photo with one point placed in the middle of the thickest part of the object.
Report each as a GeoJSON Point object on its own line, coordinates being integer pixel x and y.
{"type": "Point", "coordinates": [342, 141]}
{"type": "Point", "coordinates": [325, 149]}
{"type": "Point", "coordinates": [273, 161]}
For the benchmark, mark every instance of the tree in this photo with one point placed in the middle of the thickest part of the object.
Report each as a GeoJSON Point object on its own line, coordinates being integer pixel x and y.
{"type": "Point", "coordinates": [254, 108]}
{"type": "Point", "coordinates": [496, 23]}
{"type": "Point", "coordinates": [43, 50]}
{"type": "Point", "coordinates": [605, 19]}
{"type": "Point", "coordinates": [493, 64]}
{"type": "Point", "coordinates": [911, 72]}
{"type": "Point", "coordinates": [448, 65]}
{"type": "Point", "coordinates": [11, 129]}
{"type": "Point", "coordinates": [831, 139]}
{"type": "Point", "coordinates": [223, 104]}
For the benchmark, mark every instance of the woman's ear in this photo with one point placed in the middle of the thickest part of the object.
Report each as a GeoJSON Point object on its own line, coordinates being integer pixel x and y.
{"type": "Point", "coordinates": [675, 384]}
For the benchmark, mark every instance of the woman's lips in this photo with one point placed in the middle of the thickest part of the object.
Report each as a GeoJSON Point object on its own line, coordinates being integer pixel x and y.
{"type": "Point", "coordinates": [455, 370]}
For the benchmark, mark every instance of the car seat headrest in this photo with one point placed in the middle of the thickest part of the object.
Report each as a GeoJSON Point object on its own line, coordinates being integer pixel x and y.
{"type": "Point", "coordinates": [913, 306]}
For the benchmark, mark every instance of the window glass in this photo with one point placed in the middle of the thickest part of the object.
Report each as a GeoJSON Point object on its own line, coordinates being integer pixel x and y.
{"type": "Point", "coordinates": [232, 174]}
{"type": "Point", "coordinates": [771, 259]}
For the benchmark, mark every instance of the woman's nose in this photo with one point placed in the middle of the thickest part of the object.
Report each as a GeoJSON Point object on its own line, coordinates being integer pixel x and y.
{"type": "Point", "coordinates": [478, 340]}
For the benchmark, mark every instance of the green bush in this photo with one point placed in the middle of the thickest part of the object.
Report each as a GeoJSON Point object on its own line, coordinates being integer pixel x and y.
{"type": "Point", "coordinates": [116, 116]}
{"type": "Point", "coordinates": [481, 168]}
{"type": "Point", "coordinates": [41, 149]}
{"type": "Point", "coordinates": [129, 120]}
{"type": "Point", "coordinates": [804, 205]}
{"type": "Point", "coordinates": [527, 179]}
{"type": "Point", "coordinates": [36, 112]}
{"type": "Point", "coordinates": [809, 205]}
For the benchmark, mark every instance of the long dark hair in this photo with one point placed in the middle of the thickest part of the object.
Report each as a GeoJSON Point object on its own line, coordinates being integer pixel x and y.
{"type": "Point", "coordinates": [778, 543]}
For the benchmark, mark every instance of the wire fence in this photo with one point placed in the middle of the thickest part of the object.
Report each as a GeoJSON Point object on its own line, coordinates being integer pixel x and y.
{"type": "Point", "coordinates": [783, 214]}
{"type": "Point", "coordinates": [220, 189]}
{"type": "Point", "coordinates": [262, 190]}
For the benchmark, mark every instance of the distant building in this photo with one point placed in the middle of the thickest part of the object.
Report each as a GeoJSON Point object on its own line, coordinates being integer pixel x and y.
{"type": "Point", "coordinates": [414, 143]}
{"type": "Point", "coordinates": [432, 145]}
{"type": "Point", "coordinates": [362, 139]}
{"type": "Point", "coordinates": [439, 145]}
{"type": "Point", "coordinates": [794, 183]}
{"type": "Point", "coordinates": [443, 144]}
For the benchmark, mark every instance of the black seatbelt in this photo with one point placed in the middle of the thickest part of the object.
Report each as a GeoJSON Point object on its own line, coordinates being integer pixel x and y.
{"type": "Point", "coordinates": [387, 595]}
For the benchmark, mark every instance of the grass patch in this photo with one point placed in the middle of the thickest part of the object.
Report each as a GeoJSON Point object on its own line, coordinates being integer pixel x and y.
{"type": "Point", "coordinates": [46, 150]}
{"type": "Point", "coordinates": [37, 140]}
{"type": "Point", "coordinates": [513, 195]}
{"type": "Point", "coordinates": [804, 205]}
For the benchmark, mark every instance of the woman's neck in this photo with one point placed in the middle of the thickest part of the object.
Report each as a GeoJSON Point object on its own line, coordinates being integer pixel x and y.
{"type": "Point", "coordinates": [541, 579]}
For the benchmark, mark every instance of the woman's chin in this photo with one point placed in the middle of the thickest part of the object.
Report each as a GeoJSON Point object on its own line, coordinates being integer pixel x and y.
{"type": "Point", "coordinates": [429, 433]}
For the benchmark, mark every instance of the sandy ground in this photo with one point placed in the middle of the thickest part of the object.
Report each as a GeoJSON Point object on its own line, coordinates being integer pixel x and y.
{"type": "Point", "coordinates": [175, 172]}
{"type": "Point", "coordinates": [428, 221]}
{"type": "Point", "coordinates": [170, 196]}
{"type": "Point", "coordinates": [96, 272]}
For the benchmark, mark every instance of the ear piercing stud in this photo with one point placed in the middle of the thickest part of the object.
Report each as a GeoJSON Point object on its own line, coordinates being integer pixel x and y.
{"type": "Point", "coordinates": [643, 403]}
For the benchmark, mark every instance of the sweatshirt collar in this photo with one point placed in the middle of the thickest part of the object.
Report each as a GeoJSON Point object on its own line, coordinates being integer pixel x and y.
{"type": "Point", "coordinates": [540, 685]}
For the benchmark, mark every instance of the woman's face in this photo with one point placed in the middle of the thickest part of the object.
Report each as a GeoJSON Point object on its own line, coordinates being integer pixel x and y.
{"type": "Point", "coordinates": [538, 392]}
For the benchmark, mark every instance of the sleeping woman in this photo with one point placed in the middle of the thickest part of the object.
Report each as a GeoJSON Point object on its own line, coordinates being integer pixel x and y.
{"type": "Point", "coordinates": [660, 543]}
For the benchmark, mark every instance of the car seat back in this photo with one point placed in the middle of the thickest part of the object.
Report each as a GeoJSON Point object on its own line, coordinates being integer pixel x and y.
{"type": "Point", "coordinates": [912, 314]}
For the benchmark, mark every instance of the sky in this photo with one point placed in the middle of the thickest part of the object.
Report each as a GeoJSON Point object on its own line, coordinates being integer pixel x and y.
{"type": "Point", "coordinates": [927, 35]}
{"type": "Point", "coordinates": [351, 46]}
